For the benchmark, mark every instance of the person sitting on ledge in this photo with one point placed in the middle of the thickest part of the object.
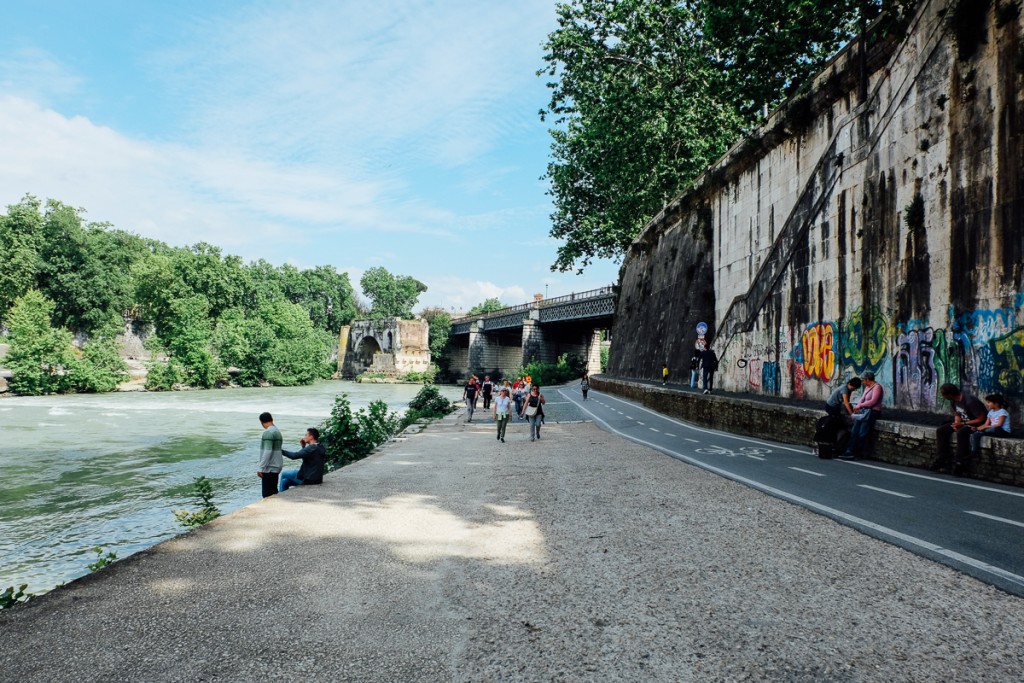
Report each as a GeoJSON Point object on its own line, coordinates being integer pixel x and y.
{"type": "Point", "coordinates": [997, 423]}
{"type": "Point", "coordinates": [867, 411]}
{"type": "Point", "coordinates": [968, 412]}
{"type": "Point", "coordinates": [312, 455]}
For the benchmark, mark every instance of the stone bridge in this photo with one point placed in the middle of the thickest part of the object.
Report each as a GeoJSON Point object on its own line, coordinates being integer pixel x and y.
{"type": "Point", "coordinates": [504, 340]}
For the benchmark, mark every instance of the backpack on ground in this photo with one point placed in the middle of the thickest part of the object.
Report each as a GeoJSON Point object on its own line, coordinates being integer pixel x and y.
{"type": "Point", "coordinates": [830, 435]}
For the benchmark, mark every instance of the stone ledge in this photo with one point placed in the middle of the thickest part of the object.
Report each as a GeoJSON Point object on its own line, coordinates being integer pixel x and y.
{"type": "Point", "coordinates": [900, 443]}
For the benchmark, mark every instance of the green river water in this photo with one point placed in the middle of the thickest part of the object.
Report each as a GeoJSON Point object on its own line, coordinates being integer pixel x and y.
{"type": "Point", "coordinates": [106, 470]}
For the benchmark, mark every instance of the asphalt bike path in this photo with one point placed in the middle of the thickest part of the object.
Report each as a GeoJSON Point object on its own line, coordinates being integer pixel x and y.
{"type": "Point", "coordinates": [974, 527]}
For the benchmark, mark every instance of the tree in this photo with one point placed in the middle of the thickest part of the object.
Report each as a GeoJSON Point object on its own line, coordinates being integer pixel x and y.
{"type": "Point", "coordinates": [20, 240]}
{"type": "Point", "coordinates": [645, 94]}
{"type": "Point", "coordinates": [487, 306]}
{"type": "Point", "coordinates": [40, 355]}
{"type": "Point", "coordinates": [439, 323]}
{"type": "Point", "coordinates": [392, 296]}
{"type": "Point", "coordinates": [638, 111]}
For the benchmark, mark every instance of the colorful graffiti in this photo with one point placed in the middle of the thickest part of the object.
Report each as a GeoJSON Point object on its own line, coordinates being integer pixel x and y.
{"type": "Point", "coordinates": [922, 365]}
{"type": "Point", "coordinates": [818, 351]}
{"type": "Point", "coordinates": [1008, 362]}
{"type": "Point", "coordinates": [761, 374]}
{"type": "Point", "coordinates": [864, 339]}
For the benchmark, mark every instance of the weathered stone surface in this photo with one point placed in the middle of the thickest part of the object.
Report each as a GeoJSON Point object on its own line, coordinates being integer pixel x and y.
{"type": "Point", "coordinates": [847, 235]}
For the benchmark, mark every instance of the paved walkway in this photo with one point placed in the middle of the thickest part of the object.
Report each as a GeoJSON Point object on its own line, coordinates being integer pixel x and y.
{"type": "Point", "coordinates": [582, 557]}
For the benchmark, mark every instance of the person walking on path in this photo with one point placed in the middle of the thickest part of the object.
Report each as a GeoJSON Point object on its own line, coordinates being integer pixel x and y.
{"type": "Point", "coordinates": [487, 388]}
{"type": "Point", "coordinates": [502, 410]}
{"type": "Point", "coordinates": [271, 458]}
{"type": "Point", "coordinates": [469, 396]}
{"type": "Point", "coordinates": [968, 412]}
{"type": "Point", "coordinates": [313, 455]}
{"type": "Point", "coordinates": [709, 366]}
{"type": "Point", "coordinates": [585, 385]}
{"type": "Point", "coordinates": [533, 410]}
{"type": "Point", "coordinates": [664, 374]}
{"type": "Point", "coordinates": [694, 367]}
{"type": "Point", "coordinates": [867, 411]}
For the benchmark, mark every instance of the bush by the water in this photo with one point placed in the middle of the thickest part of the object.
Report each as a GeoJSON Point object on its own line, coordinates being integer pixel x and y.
{"type": "Point", "coordinates": [427, 404]}
{"type": "Point", "coordinates": [203, 495]}
{"type": "Point", "coordinates": [570, 366]}
{"type": "Point", "coordinates": [349, 436]}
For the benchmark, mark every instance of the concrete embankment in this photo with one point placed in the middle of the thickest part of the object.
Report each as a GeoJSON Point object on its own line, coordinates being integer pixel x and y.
{"type": "Point", "coordinates": [581, 557]}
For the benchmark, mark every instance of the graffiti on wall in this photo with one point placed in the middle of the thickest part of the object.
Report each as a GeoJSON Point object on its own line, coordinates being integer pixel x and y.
{"type": "Point", "coordinates": [1008, 363]}
{"type": "Point", "coordinates": [818, 351]}
{"type": "Point", "coordinates": [922, 364]}
{"type": "Point", "coordinates": [864, 339]}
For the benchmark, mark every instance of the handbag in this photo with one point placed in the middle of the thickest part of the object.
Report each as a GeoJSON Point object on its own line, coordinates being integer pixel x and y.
{"type": "Point", "coordinates": [862, 414]}
{"type": "Point", "coordinates": [531, 411]}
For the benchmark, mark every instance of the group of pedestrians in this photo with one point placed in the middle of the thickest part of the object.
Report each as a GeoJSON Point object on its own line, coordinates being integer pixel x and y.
{"type": "Point", "coordinates": [521, 398]}
{"type": "Point", "coordinates": [272, 454]}
{"type": "Point", "coordinates": [972, 420]}
{"type": "Point", "coordinates": [705, 362]}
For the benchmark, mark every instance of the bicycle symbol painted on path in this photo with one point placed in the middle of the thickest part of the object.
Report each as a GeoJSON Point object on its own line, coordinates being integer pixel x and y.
{"type": "Point", "coordinates": [754, 452]}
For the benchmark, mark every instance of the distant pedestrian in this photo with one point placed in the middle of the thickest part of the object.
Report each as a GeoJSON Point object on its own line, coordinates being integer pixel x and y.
{"type": "Point", "coordinates": [533, 410]}
{"type": "Point", "coordinates": [487, 389]}
{"type": "Point", "coordinates": [866, 412]}
{"type": "Point", "coordinates": [271, 459]}
{"type": "Point", "coordinates": [518, 395]}
{"type": "Point", "coordinates": [694, 367]}
{"type": "Point", "coordinates": [664, 374]}
{"type": "Point", "coordinates": [585, 385]}
{"type": "Point", "coordinates": [709, 366]}
{"type": "Point", "coordinates": [313, 455]}
{"type": "Point", "coordinates": [469, 396]}
{"type": "Point", "coordinates": [502, 411]}
{"type": "Point", "coordinates": [968, 412]}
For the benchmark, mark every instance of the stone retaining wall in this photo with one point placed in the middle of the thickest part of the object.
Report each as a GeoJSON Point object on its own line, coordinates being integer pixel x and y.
{"type": "Point", "coordinates": [899, 443]}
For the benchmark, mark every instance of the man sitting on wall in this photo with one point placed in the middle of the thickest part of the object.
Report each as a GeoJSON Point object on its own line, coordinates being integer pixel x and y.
{"type": "Point", "coordinates": [968, 412]}
{"type": "Point", "coordinates": [312, 455]}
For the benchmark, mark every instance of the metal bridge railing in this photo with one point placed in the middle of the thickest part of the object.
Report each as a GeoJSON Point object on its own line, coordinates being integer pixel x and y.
{"type": "Point", "coordinates": [543, 303]}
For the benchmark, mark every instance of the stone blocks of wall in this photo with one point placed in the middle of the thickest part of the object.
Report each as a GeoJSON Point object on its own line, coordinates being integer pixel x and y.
{"type": "Point", "coordinates": [909, 445]}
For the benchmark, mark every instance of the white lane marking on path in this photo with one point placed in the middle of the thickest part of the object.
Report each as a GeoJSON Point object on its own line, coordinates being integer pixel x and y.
{"type": "Point", "coordinates": [693, 440]}
{"type": "Point", "coordinates": [672, 435]}
{"type": "Point", "coordinates": [686, 425]}
{"type": "Point", "coordinates": [654, 430]}
{"type": "Point", "coordinates": [800, 469]}
{"type": "Point", "coordinates": [993, 517]}
{"type": "Point", "coordinates": [826, 510]}
{"type": "Point", "coordinates": [941, 480]}
{"type": "Point", "coordinates": [891, 493]}
{"type": "Point", "coordinates": [640, 423]}
{"type": "Point", "coordinates": [629, 417]}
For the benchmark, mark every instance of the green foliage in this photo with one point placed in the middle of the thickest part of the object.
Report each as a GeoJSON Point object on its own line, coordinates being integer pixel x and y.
{"type": "Point", "coordinates": [163, 376]}
{"type": "Point", "coordinates": [13, 595]}
{"type": "Point", "coordinates": [645, 94]}
{"type": "Point", "coordinates": [203, 490]}
{"type": "Point", "coordinates": [427, 404]}
{"type": "Point", "coordinates": [426, 377]}
{"type": "Point", "coordinates": [99, 368]}
{"type": "Point", "coordinates": [40, 355]}
{"type": "Point", "coordinates": [487, 306]}
{"type": "Point", "coordinates": [348, 436]}
{"type": "Point", "coordinates": [102, 560]}
{"type": "Point", "coordinates": [20, 239]}
{"type": "Point", "coordinates": [570, 366]}
{"type": "Point", "coordinates": [392, 296]}
{"type": "Point", "coordinates": [298, 351]}
{"type": "Point", "coordinates": [604, 358]}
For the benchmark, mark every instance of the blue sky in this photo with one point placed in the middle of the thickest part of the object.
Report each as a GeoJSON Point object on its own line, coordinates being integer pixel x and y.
{"type": "Point", "coordinates": [400, 133]}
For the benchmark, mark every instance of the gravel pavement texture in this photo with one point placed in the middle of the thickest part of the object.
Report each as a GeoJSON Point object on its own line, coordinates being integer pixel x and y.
{"type": "Point", "coordinates": [447, 556]}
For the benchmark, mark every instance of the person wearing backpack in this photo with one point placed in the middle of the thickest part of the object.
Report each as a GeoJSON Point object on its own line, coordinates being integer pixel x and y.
{"type": "Point", "coordinates": [709, 366]}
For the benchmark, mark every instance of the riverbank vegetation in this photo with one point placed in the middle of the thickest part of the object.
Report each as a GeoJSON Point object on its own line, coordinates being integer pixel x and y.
{"type": "Point", "coordinates": [350, 436]}
{"type": "Point", "coordinates": [203, 313]}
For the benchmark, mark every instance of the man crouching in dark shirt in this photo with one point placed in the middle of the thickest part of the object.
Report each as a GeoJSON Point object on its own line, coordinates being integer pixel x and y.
{"type": "Point", "coordinates": [312, 456]}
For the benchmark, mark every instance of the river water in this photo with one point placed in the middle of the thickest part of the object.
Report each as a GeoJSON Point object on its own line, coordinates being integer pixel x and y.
{"type": "Point", "coordinates": [105, 470]}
